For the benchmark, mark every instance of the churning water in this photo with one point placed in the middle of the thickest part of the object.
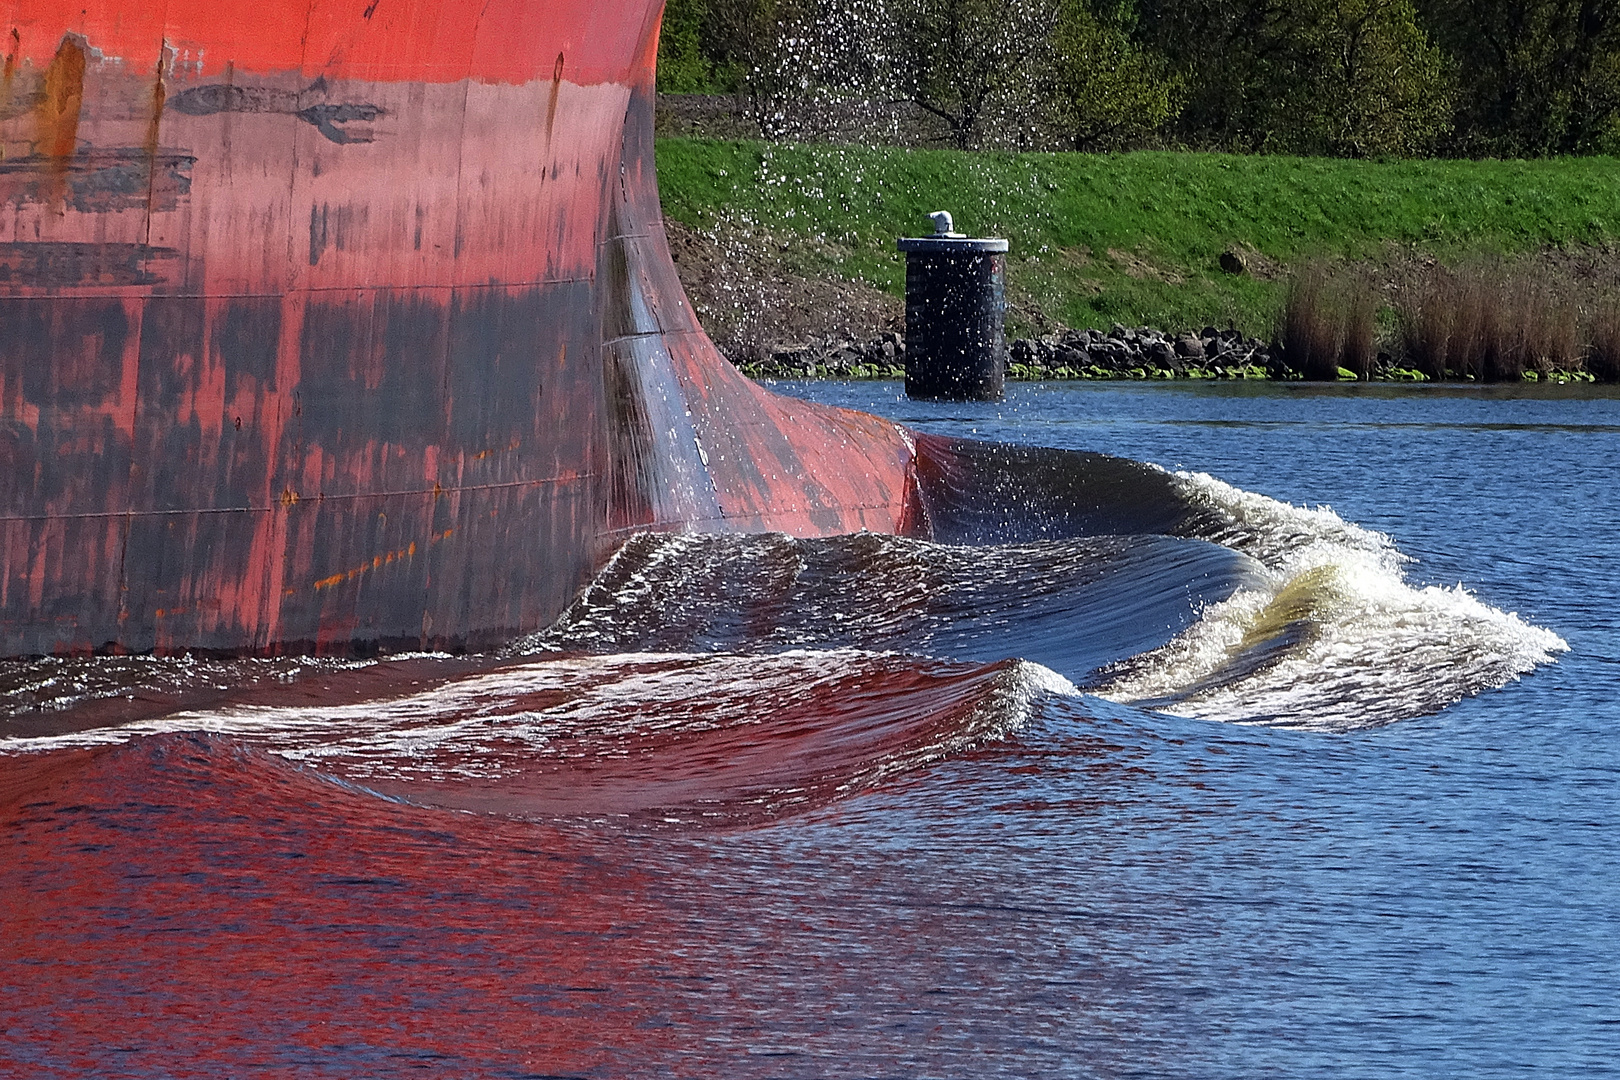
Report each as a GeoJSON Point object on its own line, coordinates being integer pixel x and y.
{"type": "Point", "coordinates": [1235, 784]}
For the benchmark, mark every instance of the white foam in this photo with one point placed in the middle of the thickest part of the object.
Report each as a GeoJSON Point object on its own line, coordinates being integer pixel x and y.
{"type": "Point", "coordinates": [1375, 648]}
{"type": "Point", "coordinates": [501, 721]}
{"type": "Point", "coordinates": [1037, 681]}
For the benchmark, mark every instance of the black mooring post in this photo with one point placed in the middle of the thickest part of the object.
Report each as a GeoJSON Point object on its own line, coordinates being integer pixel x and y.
{"type": "Point", "coordinates": [955, 307]}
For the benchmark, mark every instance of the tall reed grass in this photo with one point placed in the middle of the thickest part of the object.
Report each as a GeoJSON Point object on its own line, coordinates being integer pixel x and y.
{"type": "Point", "coordinates": [1426, 321]}
{"type": "Point", "coordinates": [1329, 322]}
{"type": "Point", "coordinates": [1603, 358]}
{"type": "Point", "coordinates": [1488, 323]}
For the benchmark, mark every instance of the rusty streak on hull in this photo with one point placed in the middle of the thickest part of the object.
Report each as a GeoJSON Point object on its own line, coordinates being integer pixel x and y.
{"type": "Point", "coordinates": [336, 328]}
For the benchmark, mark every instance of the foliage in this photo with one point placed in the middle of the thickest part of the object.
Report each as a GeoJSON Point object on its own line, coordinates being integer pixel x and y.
{"type": "Point", "coordinates": [1370, 83]}
{"type": "Point", "coordinates": [682, 66]}
{"type": "Point", "coordinates": [1535, 76]}
{"type": "Point", "coordinates": [1107, 93]}
{"type": "Point", "coordinates": [1348, 78]}
{"type": "Point", "coordinates": [975, 63]}
{"type": "Point", "coordinates": [825, 54]}
{"type": "Point", "coordinates": [1012, 74]}
{"type": "Point", "coordinates": [1354, 78]}
{"type": "Point", "coordinates": [711, 46]}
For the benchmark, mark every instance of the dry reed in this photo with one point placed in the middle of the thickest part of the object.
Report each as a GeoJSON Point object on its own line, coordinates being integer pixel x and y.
{"type": "Point", "coordinates": [1549, 329]}
{"type": "Point", "coordinates": [1603, 357]}
{"type": "Point", "coordinates": [1425, 327]}
{"type": "Point", "coordinates": [1328, 323]}
{"type": "Point", "coordinates": [1359, 351]}
{"type": "Point", "coordinates": [1488, 323]}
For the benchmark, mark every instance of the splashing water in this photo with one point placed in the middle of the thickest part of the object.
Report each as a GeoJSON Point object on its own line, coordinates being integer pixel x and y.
{"type": "Point", "coordinates": [1334, 638]}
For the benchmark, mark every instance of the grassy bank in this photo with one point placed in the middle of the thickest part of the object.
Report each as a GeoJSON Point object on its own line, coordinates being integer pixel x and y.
{"type": "Point", "coordinates": [1129, 238]}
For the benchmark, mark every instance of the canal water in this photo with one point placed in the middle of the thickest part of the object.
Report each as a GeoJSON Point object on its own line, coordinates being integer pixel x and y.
{"type": "Point", "coordinates": [1321, 783]}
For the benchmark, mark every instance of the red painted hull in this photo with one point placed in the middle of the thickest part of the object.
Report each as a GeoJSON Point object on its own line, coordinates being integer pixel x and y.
{"type": "Point", "coordinates": [335, 327]}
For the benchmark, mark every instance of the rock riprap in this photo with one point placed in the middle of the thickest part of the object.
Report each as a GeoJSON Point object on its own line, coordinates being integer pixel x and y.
{"type": "Point", "coordinates": [1118, 353]}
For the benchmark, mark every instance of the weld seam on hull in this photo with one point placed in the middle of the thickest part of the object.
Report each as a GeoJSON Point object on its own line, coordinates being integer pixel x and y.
{"type": "Point", "coordinates": [440, 491]}
{"type": "Point", "coordinates": [312, 290]}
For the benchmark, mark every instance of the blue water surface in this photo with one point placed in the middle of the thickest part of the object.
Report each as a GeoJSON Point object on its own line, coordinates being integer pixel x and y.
{"type": "Point", "coordinates": [1126, 894]}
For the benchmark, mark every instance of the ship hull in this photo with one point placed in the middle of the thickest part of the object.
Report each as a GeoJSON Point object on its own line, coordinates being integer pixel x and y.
{"type": "Point", "coordinates": [352, 328]}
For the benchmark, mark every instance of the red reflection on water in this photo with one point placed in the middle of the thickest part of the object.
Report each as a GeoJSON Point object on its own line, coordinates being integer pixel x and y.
{"type": "Point", "coordinates": [728, 740]}
{"type": "Point", "coordinates": [178, 904]}
{"type": "Point", "coordinates": [194, 905]}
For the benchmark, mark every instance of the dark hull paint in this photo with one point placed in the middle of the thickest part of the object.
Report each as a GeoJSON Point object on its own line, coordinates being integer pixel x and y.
{"type": "Point", "coordinates": [358, 348]}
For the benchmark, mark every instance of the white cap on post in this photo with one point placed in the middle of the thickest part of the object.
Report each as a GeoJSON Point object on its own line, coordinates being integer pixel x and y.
{"type": "Point", "coordinates": [943, 225]}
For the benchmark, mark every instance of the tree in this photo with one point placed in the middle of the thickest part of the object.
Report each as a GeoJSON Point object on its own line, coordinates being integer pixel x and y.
{"type": "Point", "coordinates": [1536, 76]}
{"type": "Point", "coordinates": [682, 66]}
{"type": "Point", "coordinates": [1369, 83]}
{"type": "Point", "coordinates": [1106, 92]}
{"type": "Point", "coordinates": [1341, 77]}
{"type": "Point", "coordinates": [1221, 50]}
{"type": "Point", "coordinates": [975, 64]}
{"type": "Point", "coordinates": [825, 59]}
{"type": "Point", "coordinates": [711, 46]}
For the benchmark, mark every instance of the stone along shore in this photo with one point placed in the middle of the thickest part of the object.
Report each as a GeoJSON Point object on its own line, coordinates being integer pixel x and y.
{"type": "Point", "coordinates": [1119, 353]}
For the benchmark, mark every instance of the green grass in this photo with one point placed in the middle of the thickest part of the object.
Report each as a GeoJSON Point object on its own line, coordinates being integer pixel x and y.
{"type": "Point", "coordinates": [836, 210]}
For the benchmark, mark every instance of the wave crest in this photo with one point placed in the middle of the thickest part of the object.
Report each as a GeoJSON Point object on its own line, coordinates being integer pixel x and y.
{"type": "Point", "coordinates": [661, 738]}
{"type": "Point", "coordinates": [1332, 637]}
